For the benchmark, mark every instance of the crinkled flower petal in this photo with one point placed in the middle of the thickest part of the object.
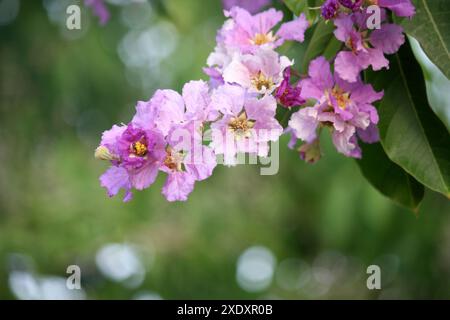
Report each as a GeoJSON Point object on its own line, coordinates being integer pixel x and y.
{"type": "Point", "coordinates": [402, 8]}
{"type": "Point", "coordinates": [304, 124]}
{"type": "Point", "coordinates": [178, 186]}
{"type": "Point", "coordinates": [389, 38]}
{"type": "Point", "coordinates": [114, 179]}
{"type": "Point", "coordinates": [295, 29]}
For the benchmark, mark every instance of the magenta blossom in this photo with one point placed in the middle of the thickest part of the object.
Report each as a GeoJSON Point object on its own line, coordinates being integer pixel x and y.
{"type": "Point", "coordinates": [246, 33]}
{"type": "Point", "coordinates": [287, 94]}
{"type": "Point", "coordinates": [135, 154]}
{"type": "Point", "coordinates": [363, 50]}
{"type": "Point", "coordinates": [260, 73]}
{"type": "Point", "coordinates": [247, 123]}
{"type": "Point", "coordinates": [346, 108]}
{"type": "Point", "coordinates": [330, 9]}
{"type": "Point", "coordinates": [99, 9]}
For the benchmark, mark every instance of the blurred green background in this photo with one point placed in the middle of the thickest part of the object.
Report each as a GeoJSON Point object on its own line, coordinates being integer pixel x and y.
{"type": "Point", "coordinates": [308, 232]}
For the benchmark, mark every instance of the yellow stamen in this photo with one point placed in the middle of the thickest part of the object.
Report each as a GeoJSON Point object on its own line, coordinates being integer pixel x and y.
{"type": "Point", "coordinates": [139, 149]}
{"type": "Point", "coordinates": [240, 126]}
{"type": "Point", "coordinates": [263, 38]}
{"type": "Point", "coordinates": [173, 160]}
{"type": "Point", "coordinates": [342, 98]}
{"type": "Point", "coordinates": [260, 82]}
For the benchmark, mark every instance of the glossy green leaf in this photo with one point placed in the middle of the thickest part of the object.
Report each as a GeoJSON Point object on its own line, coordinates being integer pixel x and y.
{"type": "Point", "coordinates": [323, 42]}
{"type": "Point", "coordinates": [431, 27]}
{"type": "Point", "coordinates": [389, 178]}
{"type": "Point", "coordinates": [411, 134]}
{"type": "Point", "coordinates": [438, 86]}
{"type": "Point", "coordinates": [308, 7]}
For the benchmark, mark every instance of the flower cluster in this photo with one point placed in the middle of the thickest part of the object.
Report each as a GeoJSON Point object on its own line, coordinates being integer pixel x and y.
{"type": "Point", "coordinates": [183, 135]}
{"type": "Point", "coordinates": [236, 109]}
{"type": "Point", "coordinates": [342, 102]}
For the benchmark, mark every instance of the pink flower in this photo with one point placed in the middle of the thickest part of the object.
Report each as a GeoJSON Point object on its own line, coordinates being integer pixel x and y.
{"type": "Point", "coordinates": [246, 33]}
{"type": "Point", "coordinates": [346, 108]}
{"type": "Point", "coordinates": [187, 161]}
{"type": "Point", "coordinates": [247, 123]}
{"type": "Point", "coordinates": [260, 73]}
{"type": "Point", "coordinates": [363, 50]}
{"type": "Point", "coordinates": [180, 119]}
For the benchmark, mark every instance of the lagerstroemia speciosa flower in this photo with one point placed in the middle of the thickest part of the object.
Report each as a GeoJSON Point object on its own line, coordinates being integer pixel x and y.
{"type": "Point", "coordinates": [344, 107]}
{"type": "Point", "coordinates": [247, 125]}
{"type": "Point", "coordinates": [181, 135]}
{"type": "Point", "coordinates": [244, 33]}
{"type": "Point", "coordinates": [364, 49]}
{"type": "Point", "coordinates": [261, 72]}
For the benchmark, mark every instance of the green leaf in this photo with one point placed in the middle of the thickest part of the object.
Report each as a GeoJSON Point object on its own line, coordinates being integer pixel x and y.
{"type": "Point", "coordinates": [431, 26]}
{"type": "Point", "coordinates": [323, 42]}
{"type": "Point", "coordinates": [304, 6]}
{"type": "Point", "coordinates": [389, 178]}
{"type": "Point", "coordinates": [411, 134]}
{"type": "Point", "coordinates": [437, 84]}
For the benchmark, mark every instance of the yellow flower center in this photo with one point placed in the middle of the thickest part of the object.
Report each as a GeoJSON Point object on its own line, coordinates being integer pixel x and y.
{"type": "Point", "coordinates": [263, 38]}
{"type": "Point", "coordinates": [342, 98]}
{"type": "Point", "coordinates": [241, 126]}
{"type": "Point", "coordinates": [260, 81]}
{"type": "Point", "coordinates": [173, 160]}
{"type": "Point", "coordinates": [139, 149]}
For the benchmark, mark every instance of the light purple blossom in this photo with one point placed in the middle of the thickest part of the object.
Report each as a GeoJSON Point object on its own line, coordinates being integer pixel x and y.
{"type": "Point", "coordinates": [246, 33]}
{"type": "Point", "coordinates": [364, 51]}
{"type": "Point", "coordinates": [99, 9]}
{"type": "Point", "coordinates": [186, 161]}
{"type": "Point", "coordinates": [247, 123]}
{"type": "Point", "coordinates": [260, 73]}
{"type": "Point", "coordinates": [180, 119]}
{"type": "Point", "coordinates": [344, 107]}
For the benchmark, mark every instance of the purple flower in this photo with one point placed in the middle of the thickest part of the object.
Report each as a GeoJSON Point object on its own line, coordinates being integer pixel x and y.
{"type": "Point", "coordinates": [259, 73]}
{"type": "Point", "coordinates": [402, 8]}
{"type": "Point", "coordinates": [346, 108]}
{"type": "Point", "coordinates": [252, 6]}
{"type": "Point", "coordinates": [287, 94]}
{"type": "Point", "coordinates": [180, 119]}
{"type": "Point", "coordinates": [247, 123]}
{"type": "Point", "coordinates": [246, 33]}
{"type": "Point", "coordinates": [330, 9]}
{"type": "Point", "coordinates": [186, 161]}
{"type": "Point", "coordinates": [364, 51]}
{"type": "Point", "coordinates": [135, 155]}
{"type": "Point", "coordinates": [99, 9]}
{"type": "Point", "coordinates": [165, 134]}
